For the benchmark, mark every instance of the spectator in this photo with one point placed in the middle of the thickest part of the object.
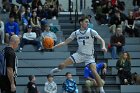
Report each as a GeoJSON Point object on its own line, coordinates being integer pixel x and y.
{"type": "Point", "coordinates": [123, 66]}
{"type": "Point", "coordinates": [137, 14]}
{"type": "Point", "coordinates": [117, 42]}
{"type": "Point", "coordinates": [11, 28]}
{"type": "Point", "coordinates": [35, 23]}
{"type": "Point", "coordinates": [31, 86]}
{"type": "Point", "coordinates": [29, 38]}
{"type": "Point", "coordinates": [116, 21]}
{"type": "Point", "coordinates": [40, 12]}
{"type": "Point", "coordinates": [26, 18]}
{"type": "Point", "coordinates": [130, 25]}
{"type": "Point", "coordinates": [52, 9]}
{"type": "Point", "coordinates": [69, 85]}
{"type": "Point", "coordinates": [7, 83]}
{"type": "Point", "coordinates": [50, 85]}
{"type": "Point", "coordinates": [2, 33]}
{"type": "Point", "coordinates": [36, 3]}
{"type": "Point", "coordinates": [90, 25]}
{"type": "Point", "coordinates": [136, 3]}
{"type": "Point", "coordinates": [90, 81]}
{"type": "Point", "coordinates": [15, 12]}
{"type": "Point", "coordinates": [48, 33]}
{"type": "Point", "coordinates": [28, 14]}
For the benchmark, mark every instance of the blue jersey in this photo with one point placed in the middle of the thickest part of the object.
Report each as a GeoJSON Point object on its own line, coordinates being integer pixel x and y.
{"type": "Point", "coordinates": [88, 73]}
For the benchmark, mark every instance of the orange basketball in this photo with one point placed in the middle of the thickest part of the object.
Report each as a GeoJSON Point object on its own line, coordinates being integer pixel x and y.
{"type": "Point", "coordinates": [48, 42]}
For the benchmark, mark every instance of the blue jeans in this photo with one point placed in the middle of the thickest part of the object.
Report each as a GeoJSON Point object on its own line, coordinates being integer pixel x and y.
{"type": "Point", "coordinates": [33, 42]}
{"type": "Point", "coordinates": [116, 51]}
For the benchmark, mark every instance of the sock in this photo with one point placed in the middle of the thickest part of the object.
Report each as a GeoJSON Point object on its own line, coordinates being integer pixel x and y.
{"type": "Point", "coordinates": [55, 70]}
{"type": "Point", "coordinates": [102, 90]}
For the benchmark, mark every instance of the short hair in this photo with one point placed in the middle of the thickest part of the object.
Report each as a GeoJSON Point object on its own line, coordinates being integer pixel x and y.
{"type": "Point", "coordinates": [11, 16]}
{"type": "Point", "coordinates": [83, 18]}
{"type": "Point", "coordinates": [49, 75]}
{"type": "Point", "coordinates": [31, 77]}
{"type": "Point", "coordinates": [67, 73]}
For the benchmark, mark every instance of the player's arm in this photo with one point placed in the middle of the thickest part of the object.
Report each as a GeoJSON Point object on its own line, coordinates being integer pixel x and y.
{"type": "Point", "coordinates": [103, 42]}
{"type": "Point", "coordinates": [68, 40]}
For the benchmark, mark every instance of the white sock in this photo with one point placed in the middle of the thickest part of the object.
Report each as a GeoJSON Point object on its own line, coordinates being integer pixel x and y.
{"type": "Point", "coordinates": [102, 90]}
{"type": "Point", "coordinates": [55, 70]}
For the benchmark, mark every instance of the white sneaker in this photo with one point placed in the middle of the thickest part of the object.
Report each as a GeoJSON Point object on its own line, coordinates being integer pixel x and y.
{"type": "Point", "coordinates": [55, 70]}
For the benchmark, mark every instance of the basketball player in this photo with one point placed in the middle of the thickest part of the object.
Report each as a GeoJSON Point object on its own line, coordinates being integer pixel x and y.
{"type": "Point", "coordinates": [85, 38]}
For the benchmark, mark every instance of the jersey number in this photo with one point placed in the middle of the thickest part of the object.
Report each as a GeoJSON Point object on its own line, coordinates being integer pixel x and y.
{"type": "Point", "coordinates": [83, 42]}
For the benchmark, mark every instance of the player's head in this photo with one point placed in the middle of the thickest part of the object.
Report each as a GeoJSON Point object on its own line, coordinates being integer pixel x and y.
{"type": "Point", "coordinates": [14, 41]}
{"type": "Point", "coordinates": [68, 75]}
{"type": "Point", "coordinates": [50, 77]}
{"type": "Point", "coordinates": [32, 78]}
{"type": "Point", "coordinates": [84, 21]}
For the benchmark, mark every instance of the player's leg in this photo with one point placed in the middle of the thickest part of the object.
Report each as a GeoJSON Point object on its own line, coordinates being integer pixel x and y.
{"type": "Point", "coordinates": [62, 65]}
{"type": "Point", "coordinates": [75, 58]}
{"type": "Point", "coordinates": [97, 77]}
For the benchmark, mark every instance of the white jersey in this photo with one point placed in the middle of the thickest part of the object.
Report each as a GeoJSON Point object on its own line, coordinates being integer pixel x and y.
{"type": "Point", "coordinates": [85, 40]}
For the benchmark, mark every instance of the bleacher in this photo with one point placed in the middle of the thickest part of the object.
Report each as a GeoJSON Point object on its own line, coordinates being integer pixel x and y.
{"type": "Point", "coordinates": [40, 63]}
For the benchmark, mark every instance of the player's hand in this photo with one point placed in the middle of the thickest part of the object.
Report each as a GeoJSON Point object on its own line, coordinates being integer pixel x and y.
{"type": "Point", "coordinates": [104, 49]}
{"type": "Point", "coordinates": [13, 88]}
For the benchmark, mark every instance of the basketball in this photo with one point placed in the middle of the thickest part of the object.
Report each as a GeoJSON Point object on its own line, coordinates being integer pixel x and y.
{"type": "Point", "coordinates": [48, 42]}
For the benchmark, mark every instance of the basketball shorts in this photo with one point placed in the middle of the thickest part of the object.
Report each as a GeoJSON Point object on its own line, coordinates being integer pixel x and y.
{"type": "Point", "coordinates": [79, 58]}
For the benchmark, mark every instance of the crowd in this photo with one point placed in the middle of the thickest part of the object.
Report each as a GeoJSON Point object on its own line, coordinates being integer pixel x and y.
{"type": "Point", "coordinates": [29, 22]}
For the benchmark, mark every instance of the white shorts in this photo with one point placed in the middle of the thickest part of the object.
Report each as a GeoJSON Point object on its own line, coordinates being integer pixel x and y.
{"type": "Point", "coordinates": [79, 58]}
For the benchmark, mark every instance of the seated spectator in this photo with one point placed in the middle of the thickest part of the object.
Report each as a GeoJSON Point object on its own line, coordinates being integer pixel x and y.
{"type": "Point", "coordinates": [48, 33]}
{"type": "Point", "coordinates": [90, 81]}
{"type": "Point", "coordinates": [136, 3]}
{"type": "Point", "coordinates": [117, 42]}
{"type": "Point", "coordinates": [31, 86]}
{"type": "Point", "coordinates": [90, 25]}
{"type": "Point", "coordinates": [69, 85]}
{"type": "Point", "coordinates": [51, 9]}
{"type": "Point", "coordinates": [11, 28]}
{"type": "Point", "coordinates": [2, 33]}
{"type": "Point", "coordinates": [40, 12]}
{"type": "Point", "coordinates": [35, 23]}
{"type": "Point", "coordinates": [116, 21]}
{"type": "Point", "coordinates": [130, 25]}
{"type": "Point", "coordinates": [25, 18]}
{"type": "Point", "coordinates": [50, 85]}
{"type": "Point", "coordinates": [29, 38]}
{"type": "Point", "coordinates": [15, 12]}
{"type": "Point", "coordinates": [137, 14]}
{"type": "Point", "coordinates": [123, 66]}
{"type": "Point", "coordinates": [36, 3]}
